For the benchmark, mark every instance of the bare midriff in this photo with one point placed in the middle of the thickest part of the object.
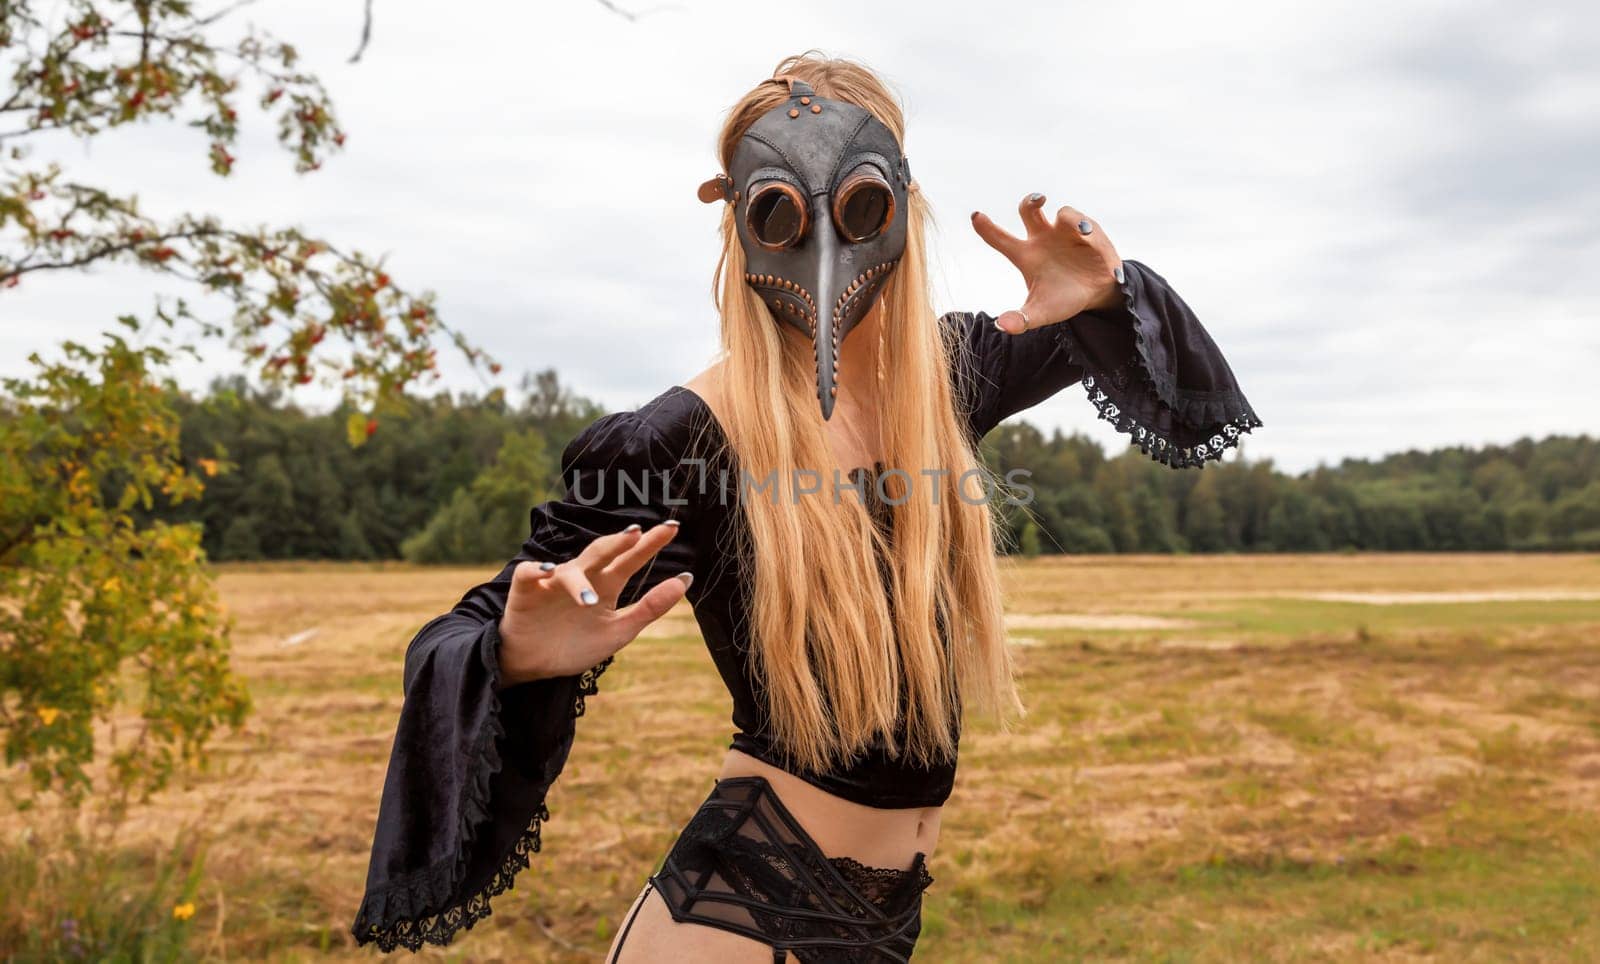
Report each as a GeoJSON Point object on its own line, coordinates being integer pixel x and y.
{"type": "Point", "coordinates": [842, 828]}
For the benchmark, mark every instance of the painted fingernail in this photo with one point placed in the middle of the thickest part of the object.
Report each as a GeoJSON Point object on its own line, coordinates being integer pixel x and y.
{"type": "Point", "coordinates": [1121, 276]}
{"type": "Point", "coordinates": [672, 522]}
{"type": "Point", "coordinates": [633, 528]}
{"type": "Point", "coordinates": [1036, 198]}
{"type": "Point", "coordinates": [687, 578]}
{"type": "Point", "coordinates": [546, 566]}
{"type": "Point", "coordinates": [588, 598]}
{"type": "Point", "coordinates": [1084, 227]}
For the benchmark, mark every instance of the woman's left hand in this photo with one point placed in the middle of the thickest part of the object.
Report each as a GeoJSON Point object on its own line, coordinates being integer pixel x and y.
{"type": "Point", "coordinates": [1067, 270]}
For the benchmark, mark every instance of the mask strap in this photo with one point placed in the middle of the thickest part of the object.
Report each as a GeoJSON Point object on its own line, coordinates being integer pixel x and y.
{"type": "Point", "coordinates": [719, 188]}
{"type": "Point", "coordinates": [797, 87]}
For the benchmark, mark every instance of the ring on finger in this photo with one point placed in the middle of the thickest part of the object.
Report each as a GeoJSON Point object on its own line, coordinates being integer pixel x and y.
{"type": "Point", "coordinates": [1025, 321]}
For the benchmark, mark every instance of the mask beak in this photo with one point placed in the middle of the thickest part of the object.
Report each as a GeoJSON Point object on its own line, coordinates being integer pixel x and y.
{"type": "Point", "coordinates": [821, 290]}
{"type": "Point", "coordinates": [829, 288]}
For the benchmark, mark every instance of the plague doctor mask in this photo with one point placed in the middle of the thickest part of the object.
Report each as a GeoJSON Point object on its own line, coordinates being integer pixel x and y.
{"type": "Point", "coordinates": [818, 188]}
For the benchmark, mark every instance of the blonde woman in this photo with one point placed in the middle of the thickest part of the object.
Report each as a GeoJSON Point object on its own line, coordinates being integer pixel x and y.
{"type": "Point", "coordinates": [817, 497]}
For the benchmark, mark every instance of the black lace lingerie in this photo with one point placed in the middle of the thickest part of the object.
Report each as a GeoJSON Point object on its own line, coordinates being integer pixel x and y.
{"type": "Point", "coordinates": [744, 864]}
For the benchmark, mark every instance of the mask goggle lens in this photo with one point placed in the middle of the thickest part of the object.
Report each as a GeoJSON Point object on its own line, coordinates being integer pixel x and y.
{"type": "Point", "coordinates": [776, 215]}
{"type": "Point", "coordinates": [863, 206]}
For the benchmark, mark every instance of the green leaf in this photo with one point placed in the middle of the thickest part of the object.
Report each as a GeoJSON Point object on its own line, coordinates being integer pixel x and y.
{"type": "Point", "coordinates": [355, 429]}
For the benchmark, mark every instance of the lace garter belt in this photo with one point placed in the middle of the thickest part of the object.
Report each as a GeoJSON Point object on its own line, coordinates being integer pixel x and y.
{"type": "Point", "coordinates": [744, 864]}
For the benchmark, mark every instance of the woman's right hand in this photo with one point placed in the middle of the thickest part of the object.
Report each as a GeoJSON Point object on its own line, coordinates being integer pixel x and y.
{"type": "Point", "coordinates": [561, 620]}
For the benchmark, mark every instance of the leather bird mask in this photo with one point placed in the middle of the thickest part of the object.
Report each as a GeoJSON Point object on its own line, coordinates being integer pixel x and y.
{"type": "Point", "coordinates": [819, 194]}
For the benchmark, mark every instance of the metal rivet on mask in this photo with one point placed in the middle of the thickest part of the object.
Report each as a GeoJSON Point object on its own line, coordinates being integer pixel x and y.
{"type": "Point", "coordinates": [816, 108]}
{"type": "Point", "coordinates": [793, 112]}
{"type": "Point", "coordinates": [805, 100]}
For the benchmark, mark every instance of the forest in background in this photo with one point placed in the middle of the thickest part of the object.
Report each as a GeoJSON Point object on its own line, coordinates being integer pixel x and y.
{"type": "Point", "coordinates": [451, 479]}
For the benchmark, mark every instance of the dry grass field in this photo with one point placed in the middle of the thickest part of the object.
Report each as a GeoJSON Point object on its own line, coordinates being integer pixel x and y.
{"type": "Point", "coordinates": [1236, 758]}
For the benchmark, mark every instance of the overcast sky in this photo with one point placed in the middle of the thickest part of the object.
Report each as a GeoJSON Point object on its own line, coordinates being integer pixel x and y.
{"type": "Point", "coordinates": [1386, 213]}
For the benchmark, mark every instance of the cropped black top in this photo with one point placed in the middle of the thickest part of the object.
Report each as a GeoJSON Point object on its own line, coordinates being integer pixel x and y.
{"type": "Point", "coordinates": [471, 766]}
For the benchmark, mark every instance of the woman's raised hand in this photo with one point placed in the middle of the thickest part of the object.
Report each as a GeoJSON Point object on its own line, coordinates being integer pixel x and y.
{"type": "Point", "coordinates": [1068, 263]}
{"type": "Point", "coordinates": [561, 620]}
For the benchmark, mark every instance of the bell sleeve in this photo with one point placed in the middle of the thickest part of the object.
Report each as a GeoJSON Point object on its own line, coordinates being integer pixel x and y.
{"type": "Point", "coordinates": [1148, 366]}
{"type": "Point", "coordinates": [464, 798]}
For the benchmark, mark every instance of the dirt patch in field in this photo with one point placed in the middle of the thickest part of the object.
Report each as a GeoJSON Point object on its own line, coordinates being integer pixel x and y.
{"type": "Point", "coordinates": [1129, 621]}
{"type": "Point", "coordinates": [1201, 645]}
{"type": "Point", "coordinates": [1143, 824]}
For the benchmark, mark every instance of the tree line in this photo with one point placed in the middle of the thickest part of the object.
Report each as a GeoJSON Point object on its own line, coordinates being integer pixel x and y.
{"type": "Point", "coordinates": [451, 479]}
{"type": "Point", "coordinates": [1529, 495]}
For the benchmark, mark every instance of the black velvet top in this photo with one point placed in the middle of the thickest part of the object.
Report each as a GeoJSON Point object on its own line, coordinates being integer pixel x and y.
{"type": "Point", "coordinates": [464, 798]}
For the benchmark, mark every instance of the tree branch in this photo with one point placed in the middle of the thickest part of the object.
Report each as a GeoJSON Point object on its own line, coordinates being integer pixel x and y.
{"type": "Point", "coordinates": [634, 17]}
{"type": "Point", "coordinates": [89, 257]}
{"type": "Point", "coordinates": [366, 34]}
{"type": "Point", "coordinates": [213, 18]}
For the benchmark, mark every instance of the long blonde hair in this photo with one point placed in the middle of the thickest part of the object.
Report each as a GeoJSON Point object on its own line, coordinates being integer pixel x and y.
{"type": "Point", "coordinates": [834, 636]}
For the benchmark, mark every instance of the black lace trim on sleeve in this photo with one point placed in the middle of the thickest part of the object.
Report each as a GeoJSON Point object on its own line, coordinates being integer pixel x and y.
{"type": "Point", "coordinates": [409, 903]}
{"type": "Point", "coordinates": [1161, 448]}
{"type": "Point", "coordinates": [1225, 411]}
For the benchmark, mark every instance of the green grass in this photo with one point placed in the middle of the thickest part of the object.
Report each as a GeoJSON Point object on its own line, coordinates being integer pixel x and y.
{"type": "Point", "coordinates": [82, 900]}
{"type": "Point", "coordinates": [1280, 780]}
{"type": "Point", "coordinates": [1303, 617]}
{"type": "Point", "coordinates": [1490, 899]}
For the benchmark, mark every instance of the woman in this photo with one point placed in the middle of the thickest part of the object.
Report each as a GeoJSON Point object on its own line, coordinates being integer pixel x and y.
{"type": "Point", "coordinates": [853, 612]}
